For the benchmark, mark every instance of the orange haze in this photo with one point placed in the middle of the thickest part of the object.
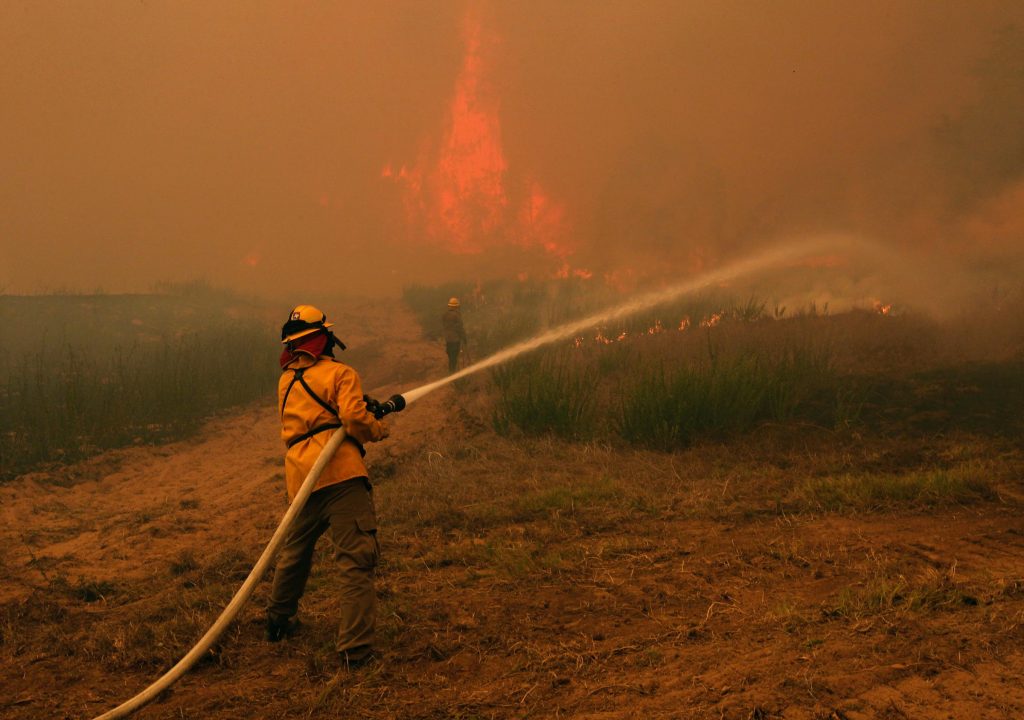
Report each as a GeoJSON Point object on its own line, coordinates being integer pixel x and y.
{"type": "Point", "coordinates": [274, 146]}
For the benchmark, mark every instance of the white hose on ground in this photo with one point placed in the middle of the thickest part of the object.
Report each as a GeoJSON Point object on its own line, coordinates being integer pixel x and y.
{"type": "Point", "coordinates": [241, 597]}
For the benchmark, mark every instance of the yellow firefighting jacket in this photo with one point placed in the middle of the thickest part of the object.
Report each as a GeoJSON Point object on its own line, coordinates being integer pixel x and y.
{"type": "Point", "coordinates": [315, 397]}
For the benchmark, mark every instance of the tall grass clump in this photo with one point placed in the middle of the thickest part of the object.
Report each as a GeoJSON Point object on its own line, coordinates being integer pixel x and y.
{"type": "Point", "coordinates": [63, 402]}
{"type": "Point", "coordinates": [702, 366]}
{"type": "Point", "coordinates": [670, 405]}
{"type": "Point", "coordinates": [545, 392]}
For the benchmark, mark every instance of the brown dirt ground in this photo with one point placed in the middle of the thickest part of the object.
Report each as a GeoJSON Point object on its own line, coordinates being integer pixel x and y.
{"type": "Point", "coordinates": [525, 578]}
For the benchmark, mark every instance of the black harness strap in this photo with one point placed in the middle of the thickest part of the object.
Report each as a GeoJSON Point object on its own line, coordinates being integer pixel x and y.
{"type": "Point", "coordinates": [287, 390]}
{"type": "Point", "coordinates": [297, 375]}
{"type": "Point", "coordinates": [320, 401]}
{"type": "Point", "coordinates": [315, 431]}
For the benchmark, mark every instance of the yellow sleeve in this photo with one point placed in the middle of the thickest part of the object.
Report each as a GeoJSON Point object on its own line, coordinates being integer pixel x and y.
{"type": "Point", "coordinates": [358, 421]}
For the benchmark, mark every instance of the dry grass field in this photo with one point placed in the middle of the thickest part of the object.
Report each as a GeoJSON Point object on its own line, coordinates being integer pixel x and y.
{"type": "Point", "coordinates": [864, 569]}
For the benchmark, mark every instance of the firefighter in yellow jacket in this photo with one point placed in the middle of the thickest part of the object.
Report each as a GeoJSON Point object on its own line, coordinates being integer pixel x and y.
{"type": "Point", "coordinates": [316, 396]}
{"type": "Point", "coordinates": [454, 333]}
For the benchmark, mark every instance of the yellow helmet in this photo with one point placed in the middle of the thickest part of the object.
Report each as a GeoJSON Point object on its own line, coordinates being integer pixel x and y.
{"type": "Point", "coordinates": [454, 302]}
{"type": "Point", "coordinates": [303, 320]}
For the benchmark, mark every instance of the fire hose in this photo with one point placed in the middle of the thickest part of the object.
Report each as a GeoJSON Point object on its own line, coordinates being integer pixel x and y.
{"type": "Point", "coordinates": [379, 409]}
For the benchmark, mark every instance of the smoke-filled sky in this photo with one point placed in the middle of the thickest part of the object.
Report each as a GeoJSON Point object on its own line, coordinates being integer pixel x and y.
{"type": "Point", "coordinates": [353, 146]}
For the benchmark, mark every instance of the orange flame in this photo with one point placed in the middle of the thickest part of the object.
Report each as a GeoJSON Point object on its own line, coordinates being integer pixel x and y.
{"type": "Point", "coordinates": [470, 180]}
{"type": "Point", "coordinates": [711, 320]}
{"type": "Point", "coordinates": [460, 200]}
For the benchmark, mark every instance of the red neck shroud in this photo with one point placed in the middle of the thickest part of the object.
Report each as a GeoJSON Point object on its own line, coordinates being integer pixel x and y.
{"type": "Point", "coordinates": [313, 345]}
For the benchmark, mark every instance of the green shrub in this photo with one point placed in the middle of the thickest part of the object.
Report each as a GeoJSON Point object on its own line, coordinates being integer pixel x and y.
{"type": "Point", "coordinates": [545, 392]}
{"type": "Point", "coordinates": [670, 406]}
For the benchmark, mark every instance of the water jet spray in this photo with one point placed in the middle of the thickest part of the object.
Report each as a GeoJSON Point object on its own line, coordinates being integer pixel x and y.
{"type": "Point", "coordinates": [762, 261]}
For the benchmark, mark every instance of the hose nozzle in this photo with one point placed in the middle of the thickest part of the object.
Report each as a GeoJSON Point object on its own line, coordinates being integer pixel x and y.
{"type": "Point", "coordinates": [395, 403]}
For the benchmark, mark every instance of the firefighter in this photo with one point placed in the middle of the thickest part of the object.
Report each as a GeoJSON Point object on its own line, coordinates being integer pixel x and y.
{"type": "Point", "coordinates": [317, 394]}
{"type": "Point", "coordinates": [454, 333]}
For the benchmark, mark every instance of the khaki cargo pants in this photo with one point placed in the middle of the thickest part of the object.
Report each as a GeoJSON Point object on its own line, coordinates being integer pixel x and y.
{"type": "Point", "coordinates": [347, 510]}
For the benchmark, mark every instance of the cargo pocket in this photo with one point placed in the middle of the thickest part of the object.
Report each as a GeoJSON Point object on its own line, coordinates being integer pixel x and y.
{"type": "Point", "coordinates": [366, 529]}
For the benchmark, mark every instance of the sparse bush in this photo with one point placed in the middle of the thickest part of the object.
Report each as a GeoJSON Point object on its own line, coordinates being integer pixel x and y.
{"type": "Point", "coordinates": [889, 592]}
{"type": "Point", "coordinates": [963, 483]}
{"type": "Point", "coordinates": [184, 562]}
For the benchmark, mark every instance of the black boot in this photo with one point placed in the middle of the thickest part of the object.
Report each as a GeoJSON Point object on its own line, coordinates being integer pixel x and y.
{"type": "Point", "coordinates": [278, 630]}
{"type": "Point", "coordinates": [357, 658]}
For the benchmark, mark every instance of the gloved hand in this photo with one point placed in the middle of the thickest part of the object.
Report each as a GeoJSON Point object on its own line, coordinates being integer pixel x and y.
{"type": "Point", "coordinates": [384, 430]}
{"type": "Point", "coordinates": [372, 406]}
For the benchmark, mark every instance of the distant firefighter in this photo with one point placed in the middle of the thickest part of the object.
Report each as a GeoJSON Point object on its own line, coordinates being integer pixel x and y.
{"type": "Point", "coordinates": [454, 333]}
{"type": "Point", "coordinates": [317, 394]}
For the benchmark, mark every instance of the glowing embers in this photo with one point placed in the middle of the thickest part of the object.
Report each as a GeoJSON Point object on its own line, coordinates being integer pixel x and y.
{"type": "Point", "coordinates": [712, 320]}
{"type": "Point", "coordinates": [457, 193]}
{"type": "Point", "coordinates": [566, 271]}
{"type": "Point", "coordinates": [656, 329]}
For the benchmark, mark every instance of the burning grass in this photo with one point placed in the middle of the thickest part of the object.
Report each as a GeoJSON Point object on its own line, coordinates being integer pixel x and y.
{"type": "Point", "coordinates": [711, 368]}
{"type": "Point", "coordinates": [500, 313]}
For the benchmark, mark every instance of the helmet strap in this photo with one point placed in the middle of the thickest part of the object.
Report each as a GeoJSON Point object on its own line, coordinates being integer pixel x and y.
{"type": "Point", "coordinates": [332, 342]}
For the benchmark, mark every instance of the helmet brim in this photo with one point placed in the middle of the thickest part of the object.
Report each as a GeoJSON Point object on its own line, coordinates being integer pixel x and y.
{"type": "Point", "coordinates": [304, 333]}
